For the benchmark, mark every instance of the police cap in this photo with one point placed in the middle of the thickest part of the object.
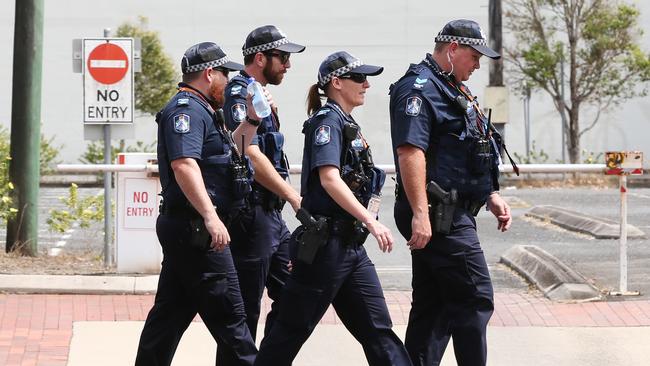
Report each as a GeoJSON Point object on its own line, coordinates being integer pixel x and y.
{"type": "Point", "coordinates": [206, 55]}
{"type": "Point", "coordinates": [269, 37]}
{"type": "Point", "coordinates": [341, 63]}
{"type": "Point", "coordinates": [466, 32]}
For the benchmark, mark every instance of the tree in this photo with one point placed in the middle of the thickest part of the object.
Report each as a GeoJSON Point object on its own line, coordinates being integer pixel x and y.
{"type": "Point", "coordinates": [156, 84]}
{"type": "Point", "coordinates": [598, 42]}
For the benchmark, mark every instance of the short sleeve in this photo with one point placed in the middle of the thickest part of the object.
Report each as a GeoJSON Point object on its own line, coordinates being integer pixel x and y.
{"type": "Point", "coordinates": [234, 107]}
{"type": "Point", "coordinates": [184, 131]}
{"type": "Point", "coordinates": [410, 117]}
{"type": "Point", "coordinates": [326, 141]}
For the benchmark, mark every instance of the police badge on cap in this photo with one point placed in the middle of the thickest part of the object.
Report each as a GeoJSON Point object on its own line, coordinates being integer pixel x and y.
{"type": "Point", "coordinates": [466, 32]}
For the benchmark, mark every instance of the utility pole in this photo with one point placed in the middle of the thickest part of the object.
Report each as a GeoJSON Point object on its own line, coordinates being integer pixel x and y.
{"type": "Point", "coordinates": [22, 229]}
{"type": "Point", "coordinates": [496, 94]}
{"type": "Point", "coordinates": [495, 42]}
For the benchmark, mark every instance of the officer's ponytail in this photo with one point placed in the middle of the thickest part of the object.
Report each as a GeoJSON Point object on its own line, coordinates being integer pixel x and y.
{"type": "Point", "coordinates": [313, 99]}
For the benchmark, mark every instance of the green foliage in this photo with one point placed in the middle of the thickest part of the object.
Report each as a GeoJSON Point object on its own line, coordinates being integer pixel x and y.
{"type": "Point", "coordinates": [48, 159]}
{"type": "Point", "coordinates": [94, 153]}
{"type": "Point", "coordinates": [534, 156]}
{"type": "Point", "coordinates": [157, 81]}
{"type": "Point", "coordinates": [81, 210]}
{"type": "Point", "coordinates": [590, 157]}
{"type": "Point", "coordinates": [49, 155]}
{"type": "Point", "coordinates": [7, 209]}
{"type": "Point", "coordinates": [593, 42]}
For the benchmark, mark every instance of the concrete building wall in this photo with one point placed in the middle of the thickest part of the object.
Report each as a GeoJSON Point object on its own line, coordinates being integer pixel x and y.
{"type": "Point", "coordinates": [388, 33]}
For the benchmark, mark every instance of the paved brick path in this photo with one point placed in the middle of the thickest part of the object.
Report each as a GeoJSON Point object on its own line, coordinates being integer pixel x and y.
{"type": "Point", "coordinates": [37, 329]}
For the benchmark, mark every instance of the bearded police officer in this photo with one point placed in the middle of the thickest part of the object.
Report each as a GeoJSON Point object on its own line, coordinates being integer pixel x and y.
{"type": "Point", "coordinates": [447, 169]}
{"type": "Point", "coordinates": [203, 179]}
{"type": "Point", "coordinates": [259, 234]}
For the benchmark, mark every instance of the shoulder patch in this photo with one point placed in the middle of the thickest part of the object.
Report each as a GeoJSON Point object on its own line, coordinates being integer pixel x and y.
{"type": "Point", "coordinates": [183, 101]}
{"type": "Point", "coordinates": [413, 105]}
{"type": "Point", "coordinates": [235, 90]}
{"type": "Point", "coordinates": [182, 123]}
{"type": "Point", "coordinates": [322, 135]}
{"type": "Point", "coordinates": [322, 112]}
{"type": "Point", "coordinates": [419, 83]}
{"type": "Point", "coordinates": [238, 111]}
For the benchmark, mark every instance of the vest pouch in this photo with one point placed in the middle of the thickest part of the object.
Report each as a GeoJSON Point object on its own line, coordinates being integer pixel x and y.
{"type": "Point", "coordinates": [354, 179]}
{"type": "Point", "coordinates": [241, 186]}
{"type": "Point", "coordinates": [480, 158]}
{"type": "Point", "coordinates": [273, 144]}
{"type": "Point", "coordinates": [216, 177]}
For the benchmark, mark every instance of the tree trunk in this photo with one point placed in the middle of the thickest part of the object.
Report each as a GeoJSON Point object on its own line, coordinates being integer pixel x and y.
{"type": "Point", "coordinates": [573, 141]}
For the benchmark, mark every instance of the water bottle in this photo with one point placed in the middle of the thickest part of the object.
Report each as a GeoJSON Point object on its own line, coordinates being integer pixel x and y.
{"type": "Point", "coordinates": [260, 103]}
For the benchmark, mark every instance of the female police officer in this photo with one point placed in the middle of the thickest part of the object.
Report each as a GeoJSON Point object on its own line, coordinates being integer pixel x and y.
{"type": "Point", "coordinates": [338, 182]}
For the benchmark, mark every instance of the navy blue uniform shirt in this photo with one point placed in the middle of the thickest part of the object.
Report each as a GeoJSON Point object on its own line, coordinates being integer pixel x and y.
{"type": "Point", "coordinates": [324, 145]}
{"type": "Point", "coordinates": [187, 128]}
{"type": "Point", "coordinates": [426, 113]}
{"type": "Point", "coordinates": [268, 138]}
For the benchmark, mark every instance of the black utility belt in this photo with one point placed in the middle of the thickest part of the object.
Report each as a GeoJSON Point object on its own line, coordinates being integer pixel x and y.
{"type": "Point", "coordinates": [178, 210]}
{"type": "Point", "coordinates": [352, 231]}
{"type": "Point", "coordinates": [268, 200]}
{"type": "Point", "coordinates": [471, 206]}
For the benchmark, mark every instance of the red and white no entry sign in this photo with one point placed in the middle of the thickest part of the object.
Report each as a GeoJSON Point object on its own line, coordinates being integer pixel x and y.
{"type": "Point", "coordinates": [108, 80]}
{"type": "Point", "coordinates": [108, 63]}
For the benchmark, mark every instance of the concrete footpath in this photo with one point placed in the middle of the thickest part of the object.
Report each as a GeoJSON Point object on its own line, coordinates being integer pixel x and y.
{"type": "Point", "coordinates": [93, 327]}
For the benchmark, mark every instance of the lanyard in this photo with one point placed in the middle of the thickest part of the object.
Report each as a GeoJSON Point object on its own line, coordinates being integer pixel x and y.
{"type": "Point", "coordinates": [463, 91]}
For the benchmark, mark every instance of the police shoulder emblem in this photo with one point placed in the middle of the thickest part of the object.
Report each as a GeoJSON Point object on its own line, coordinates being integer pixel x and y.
{"type": "Point", "coordinates": [235, 90]}
{"type": "Point", "coordinates": [413, 105]}
{"type": "Point", "coordinates": [419, 83]}
{"type": "Point", "coordinates": [183, 101]}
{"type": "Point", "coordinates": [182, 123]}
{"type": "Point", "coordinates": [322, 135]}
{"type": "Point", "coordinates": [322, 112]}
{"type": "Point", "coordinates": [238, 112]}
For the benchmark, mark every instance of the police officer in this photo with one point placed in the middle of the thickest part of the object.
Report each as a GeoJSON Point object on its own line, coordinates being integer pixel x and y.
{"type": "Point", "coordinates": [443, 147]}
{"type": "Point", "coordinates": [203, 177]}
{"type": "Point", "coordinates": [340, 190]}
{"type": "Point", "coordinates": [260, 237]}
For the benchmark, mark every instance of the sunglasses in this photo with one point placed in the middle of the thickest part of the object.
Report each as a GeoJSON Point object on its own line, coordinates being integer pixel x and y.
{"type": "Point", "coordinates": [357, 78]}
{"type": "Point", "coordinates": [283, 56]}
{"type": "Point", "coordinates": [221, 70]}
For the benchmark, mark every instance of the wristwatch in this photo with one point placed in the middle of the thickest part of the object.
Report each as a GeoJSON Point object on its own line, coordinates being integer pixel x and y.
{"type": "Point", "coordinates": [253, 122]}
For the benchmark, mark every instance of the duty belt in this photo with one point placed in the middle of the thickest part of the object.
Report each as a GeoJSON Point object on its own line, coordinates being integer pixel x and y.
{"type": "Point", "coordinates": [178, 210]}
{"type": "Point", "coordinates": [352, 231]}
{"type": "Point", "coordinates": [471, 206]}
{"type": "Point", "coordinates": [267, 199]}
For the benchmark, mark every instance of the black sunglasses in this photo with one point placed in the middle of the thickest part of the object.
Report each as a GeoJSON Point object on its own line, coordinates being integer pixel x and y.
{"type": "Point", "coordinates": [357, 78]}
{"type": "Point", "coordinates": [222, 70]}
{"type": "Point", "coordinates": [283, 56]}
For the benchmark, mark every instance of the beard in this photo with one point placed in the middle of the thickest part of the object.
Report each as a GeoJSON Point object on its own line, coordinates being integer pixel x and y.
{"type": "Point", "coordinates": [272, 77]}
{"type": "Point", "coordinates": [216, 94]}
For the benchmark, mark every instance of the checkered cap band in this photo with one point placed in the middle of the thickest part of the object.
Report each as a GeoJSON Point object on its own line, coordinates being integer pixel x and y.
{"type": "Point", "coordinates": [205, 65]}
{"type": "Point", "coordinates": [461, 40]}
{"type": "Point", "coordinates": [322, 80]}
{"type": "Point", "coordinates": [265, 47]}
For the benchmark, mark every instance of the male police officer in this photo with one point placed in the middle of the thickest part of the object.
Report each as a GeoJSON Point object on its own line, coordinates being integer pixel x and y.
{"type": "Point", "coordinates": [260, 236]}
{"type": "Point", "coordinates": [203, 176]}
{"type": "Point", "coordinates": [444, 149]}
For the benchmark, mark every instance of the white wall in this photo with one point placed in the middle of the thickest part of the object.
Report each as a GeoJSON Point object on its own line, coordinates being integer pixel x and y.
{"type": "Point", "coordinates": [388, 33]}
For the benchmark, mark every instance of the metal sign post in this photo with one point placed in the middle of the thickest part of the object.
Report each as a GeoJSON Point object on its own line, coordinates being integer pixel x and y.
{"type": "Point", "coordinates": [623, 163]}
{"type": "Point", "coordinates": [107, 65]}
